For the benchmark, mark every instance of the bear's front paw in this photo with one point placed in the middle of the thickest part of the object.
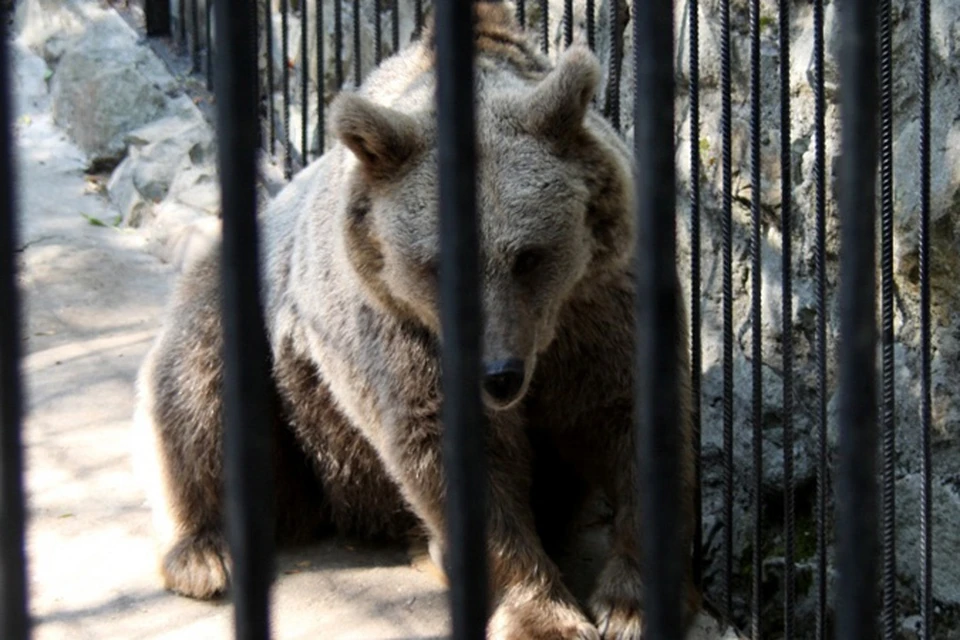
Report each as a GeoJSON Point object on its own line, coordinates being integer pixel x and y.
{"type": "Point", "coordinates": [196, 566]}
{"type": "Point", "coordinates": [539, 618]}
{"type": "Point", "coordinates": [617, 601]}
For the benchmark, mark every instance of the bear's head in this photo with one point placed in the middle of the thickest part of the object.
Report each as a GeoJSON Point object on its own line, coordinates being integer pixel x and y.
{"type": "Point", "coordinates": [554, 201]}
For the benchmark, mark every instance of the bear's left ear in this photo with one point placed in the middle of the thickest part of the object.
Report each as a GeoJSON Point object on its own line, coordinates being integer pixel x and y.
{"type": "Point", "coordinates": [560, 102]}
{"type": "Point", "coordinates": [382, 139]}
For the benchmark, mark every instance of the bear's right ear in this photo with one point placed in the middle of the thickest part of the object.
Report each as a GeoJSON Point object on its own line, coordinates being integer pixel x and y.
{"type": "Point", "coordinates": [560, 102]}
{"type": "Point", "coordinates": [382, 139]}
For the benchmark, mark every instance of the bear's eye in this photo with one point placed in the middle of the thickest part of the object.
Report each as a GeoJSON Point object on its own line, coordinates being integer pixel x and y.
{"type": "Point", "coordinates": [527, 261]}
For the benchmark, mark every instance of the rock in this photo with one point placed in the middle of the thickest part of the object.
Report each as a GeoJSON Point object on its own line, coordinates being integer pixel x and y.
{"type": "Point", "coordinates": [946, 535]}
{"type": "Point", "coordinates": [197, 185]}
{"type": "Point", "coordinates": [121, 188]}
{"type": "Point", "coordinates": [157, 153]}
{"type": "Point", "coordinates": [47, 27]}
{"type": "Point", "coordinates": [100, 94]}
{"type": "Point", "coordinates": [180, 233]}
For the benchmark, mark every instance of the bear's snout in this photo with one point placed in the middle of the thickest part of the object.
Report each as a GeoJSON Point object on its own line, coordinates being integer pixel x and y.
{"type": "Point", "coordinates": [503, 380]}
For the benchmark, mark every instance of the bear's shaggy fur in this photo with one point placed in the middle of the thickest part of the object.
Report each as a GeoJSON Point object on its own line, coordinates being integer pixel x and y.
{"type": "Point", "coordinates": [350, 294]}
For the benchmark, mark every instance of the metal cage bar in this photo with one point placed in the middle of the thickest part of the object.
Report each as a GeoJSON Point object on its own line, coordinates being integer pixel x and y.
{"type": "Point", "coordinates": [157, 17]}
{"type": "Point", "coordinates": [786, 265]}
{"type": "Point", "coordinates": [545, 26]}
{"type": "Point", "coordinates": [591, 25]}
{"type": "Point", "coordinates": [612, 111]}
{"type": "Point", "coordinates": [926, 515]}
{"type": "Point", "coordinates": [181, 23]}
{"type": "Point", "coordinates": [821, 330]}
{"type": "Point", "coordinates": [338, 41]}
{"type": "Point", "coordinates": [208, 41]}
{"type": "Point", "coordinates": [195, 35]}
{"type": "Point", "coordinates": [378, 33]}
{"type": "Point", "coordinates": [756, 321]}
{"type": "Point", "coordinates": [271, 101]}
{"type": "Point", "coordinates": [460, 316]}
{"type": "Point", "coordinates": [357, 68]}
{"type": "Point", "coordinates": [658, 304]}
{"type": "Point", "coordinates": [285, 76]}
{"type": "Point", "coordinates": [321, 83]}
{"type": "Point", "coordinates": [888, 451]}
{"type": "Point", "coordinates": [247, 409]}
{"type": "Point", "coordinates": [696, 350]}
{"type": "Point", "coordinates": [304, 82]}
{"type": "Point", "coordinates": [395, 25]}
{"type": "Point", "coordinates": [727, 309]}
{"type": "Point", "coordinates": [856, 509]}
{"type": "Point", "coordinates": [14, 616]}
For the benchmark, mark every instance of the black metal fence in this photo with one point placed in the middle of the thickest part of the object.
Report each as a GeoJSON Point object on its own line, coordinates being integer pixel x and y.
{"type": "Point", "coordinates": [864, 498]}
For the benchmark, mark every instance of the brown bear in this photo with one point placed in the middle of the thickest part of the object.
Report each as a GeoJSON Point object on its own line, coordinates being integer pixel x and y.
{"type": "Point", "coordinates": [349, 281]}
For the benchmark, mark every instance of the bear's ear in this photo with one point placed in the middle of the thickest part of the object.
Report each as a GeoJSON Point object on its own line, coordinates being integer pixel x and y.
{"type": "Point", "coordinates": [382, 139]}
{"type": "Point", "coordinates": [560, 102]}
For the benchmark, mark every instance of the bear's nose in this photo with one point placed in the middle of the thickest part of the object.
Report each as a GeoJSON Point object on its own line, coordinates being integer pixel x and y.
{"type": "Point", "coordinates": [503, 379]}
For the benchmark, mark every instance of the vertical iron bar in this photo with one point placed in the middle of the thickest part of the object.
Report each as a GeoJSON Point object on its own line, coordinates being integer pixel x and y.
{"type": "Point", "coordinates": [14, 616]}
{"type": "Point", "coordinates": [304, 78]}
{"type": "Point", "coordinates": [377, 32]}
{"type": "Point", "coordinates": [567, 23]}
{"type": "Point", "coordinates": [786, 223]}
{"type": "Point", "coordinates": [545, 26]}
{"type": "Point", "coordinates": [856, 508]}
{"type": "Point", "coordinates": [357, 70]}
{"type": "Point", "coordinates": [195, 36]}
{"type": "Point", "coordinates": [246, 407]}
{"type": "Point", "coordinates": [157, 14]}
{"type": "Point", "coordinates": [256, 79]}
{"type": "Point", "coordinates": [696, 357]}
{"type": "Point", "coordinates": [756, 312]}
{"type": "Point", "coordinates": [591, 25]}
{"type": "Point", "coordinates": [209, 42]}
{"type": "Point", "coordinates": [613, 82]}
{"type": "Point", "coordinates": [727, 309]}
{"type": "Point", "coordinates": [418, 16]}
{"type": "Point", "coordinates": [886, 277]}
{"type": "Point", "coordinates": [182, 24]}
{"type": "Point", "coordinates": [926, 516]}
{"type": "Point", "coordinates": [271, 102]}
{"type": "Point", "coordinates": [821, 215]}
{"type": "Point", "coordinates": [821, 207]}
{"type": "Point", "coordinates": [522, 13]}
{"type": "Point", "coordinates": [395, 25]}
{"type": "Point", "coordinates": [285, 72]}
{"type": "Point", "coordinates": [338, 40]}
{"type": "Point", "coordinates": [657, 306]}
{"type": "Point", "coordinates": [460, 313]}
{"type": "Point", "coordinates": [321, 81]}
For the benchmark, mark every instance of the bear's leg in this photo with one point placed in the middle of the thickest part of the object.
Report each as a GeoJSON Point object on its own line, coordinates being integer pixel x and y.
{"type": "Point", "coordinates": [358, 497]}
{"type": "Point", "coordinates": [617, 599]}
{"type": "Point", "coordinates": [177, 428]}
{"type": "Point", "coordinates": [177, 434]}
{"type": "Point", "coordinates": [532, 603]}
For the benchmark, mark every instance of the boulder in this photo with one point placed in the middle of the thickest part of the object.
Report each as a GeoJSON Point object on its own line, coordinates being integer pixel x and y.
{"type": "Point", "coordinates": [101, 92]}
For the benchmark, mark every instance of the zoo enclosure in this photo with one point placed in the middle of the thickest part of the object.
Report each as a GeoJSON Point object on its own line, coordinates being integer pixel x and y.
{"type": "Point", "coordinates": [864, 504]}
